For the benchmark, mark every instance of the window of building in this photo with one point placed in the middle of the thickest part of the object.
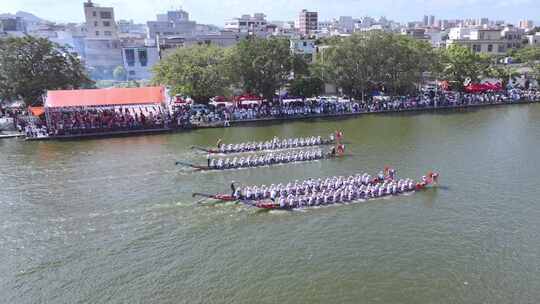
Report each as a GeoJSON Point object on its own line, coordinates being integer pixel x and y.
{"type": "Point", "coordinates": [95, 23]}
{"type": "Point", "coordinates": [477, 48]}
{"type": "Point", "coordinates": [130, 57]}
{"type": "Point", "coordinates": [105, 15]}
{"type": "Point", "coordinates": [143, 57]}
{"type": "Point", "coordinates": [490, 48]}
{"type": "Point", "coordinates": [107, 33]}
{"type": "Point", "coordinates": [106, 23]}
{"type": "Point", "coordinates": [97, 33]}
{"type": "Point", "coordinates": [501, 48]}
{"type": "Point", "coordinates": [94, 14]}
{"type": "Point", "coordinates": [131, 73]}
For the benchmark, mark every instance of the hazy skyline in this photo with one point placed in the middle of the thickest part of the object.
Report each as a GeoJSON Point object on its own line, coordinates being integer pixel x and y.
{"type": "Point", "coordinates": [216, 11]}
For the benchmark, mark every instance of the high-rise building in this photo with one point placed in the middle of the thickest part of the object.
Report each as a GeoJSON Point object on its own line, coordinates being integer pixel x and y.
{"type": "Point", "coordinates": [431, 20]}
{"type": "Point", "coordinates": [100, 21]}
{"type": "Point", "coordinates": [346, 24]}
{"type": "Point", "coordinates": [526, 24]}
{"type": "Point", "coordinates": [307, 22]}
{"type": "Point", "coordinates": [426, 20]}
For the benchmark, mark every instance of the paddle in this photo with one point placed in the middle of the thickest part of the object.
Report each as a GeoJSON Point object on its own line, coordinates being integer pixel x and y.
{"type": "Point", "coordinates": [184, 164]}
{"type": "Point", "coordinates": [202, 194]}
{"type": "Point", "coordinates": [200, 148]}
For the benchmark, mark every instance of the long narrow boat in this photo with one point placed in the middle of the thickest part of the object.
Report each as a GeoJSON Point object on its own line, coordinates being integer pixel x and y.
{"type": "Point", "coordinates": [302, 203]}
{"type": "Point", "coordinates": [269, 160]}
{"type": "Point", "coordinates": [310, 185]}
{"type": "Point", "coordinates": [270, 145]}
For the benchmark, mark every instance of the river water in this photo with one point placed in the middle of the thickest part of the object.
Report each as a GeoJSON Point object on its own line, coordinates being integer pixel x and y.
{"type": "Point", "coordinates": [113, 220]}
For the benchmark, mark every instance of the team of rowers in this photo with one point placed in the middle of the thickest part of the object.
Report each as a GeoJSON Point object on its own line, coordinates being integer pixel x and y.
{"type": "Point", "coordinates": [273, 144]}
{"type": "Point", "coordinates": [263, 160]}
{"type": "Point", "coordinates": [334, 190]}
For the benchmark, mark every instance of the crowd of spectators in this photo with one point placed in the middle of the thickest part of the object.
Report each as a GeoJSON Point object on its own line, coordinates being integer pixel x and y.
{"type": "Point", "coordinates": [79, 121]}
{"type": "Point", "coordinates": [82, 120]}
{"type": "Point", "coordinates": [328, 106]}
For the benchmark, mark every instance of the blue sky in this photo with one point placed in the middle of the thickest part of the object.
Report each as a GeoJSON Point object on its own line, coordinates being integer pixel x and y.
{"type": "Point", "coordinates": [215, 11]}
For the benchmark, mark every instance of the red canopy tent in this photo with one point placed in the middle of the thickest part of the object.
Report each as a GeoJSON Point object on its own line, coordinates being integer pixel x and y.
{"type": "Point", "coordinates": [483, 87]}
{"type": "Point", "coordinates": [105, 97]}
{"type": "Point", "coordinates": [248, 99]}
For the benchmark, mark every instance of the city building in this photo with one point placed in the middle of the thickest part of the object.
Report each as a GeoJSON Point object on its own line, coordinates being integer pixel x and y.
{"type": "Point", "coordinates": [139, 60]}
{"type": "Point", "coordinates": [167, 45]}
{"type": "Point", "coordinates": [436, 36]}
{"type": "Point", "coordinates": [526, 24]}
{"type": "Point", "coordinates": [247, 23]}
{"type": "Point", "coordinates": [533, 40]}
{"type": "Point", "coordinates": [426, 20]}
{"type": "Point", "coordinates": [431, 20]}
{"type": "Point", "coordinates": [416, 33]}
{"type": "Point", "coordinates": [102, 48]}
{"type": "Point", "coordinates": [307, 22]}
{"type": "Point", "coordinates": [346, 24]}
{"type": "Point", "coordinates": [12, 26]}
{"type": "Point", "coordinates": [486, 41]}
{"type": "Point", "coordinates": [100, 21]}
{"type": "Point", "coordinates": [513, 37]}
{"type": "Point", "coordinates": [130, 27]}
{"type": "Point", "coordinates": [304, 47]}
{"type": "Point", "coordinates": [171, 24]}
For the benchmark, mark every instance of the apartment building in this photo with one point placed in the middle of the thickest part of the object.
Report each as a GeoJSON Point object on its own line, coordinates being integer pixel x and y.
{"type": "Point", "coordinates": [307, 22]}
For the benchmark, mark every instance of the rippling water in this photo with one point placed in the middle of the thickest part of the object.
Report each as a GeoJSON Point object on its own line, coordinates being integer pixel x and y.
{"type": "Point", "coordinates": [113, 221]}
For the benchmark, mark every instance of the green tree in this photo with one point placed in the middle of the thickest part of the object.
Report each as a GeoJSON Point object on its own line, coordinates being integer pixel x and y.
{"type": "Point", "coordinates": [306, 86]}
{"type": "Point", "coordinates": [375, 59]}
{"type": "Point", "coordinates": [200, 72]}
{"type": "Point", "coordinates": [528, 54]}
{"type": "Point", "coordinates": [120, 73]}
{"type": "Point", "coordinates": [536, 73]}
{"type": "Point", "coordinates": [30, 66]}
{"type": "Point", "coordinates": [262, 66]}
{"type": "Point", "coordinates": [459, 64]}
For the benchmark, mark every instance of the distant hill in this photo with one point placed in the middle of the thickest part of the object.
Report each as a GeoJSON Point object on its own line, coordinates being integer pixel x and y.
{"type": "Point", "coordinates": [29, 17]}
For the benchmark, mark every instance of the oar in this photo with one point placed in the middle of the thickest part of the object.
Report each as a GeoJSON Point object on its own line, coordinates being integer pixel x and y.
{"type": "Point", "coordinates": [184, 164]}
{"type": "Point", "coordinates": [200, 149]}
{"type": "Point", "coordinates": [203, 195]}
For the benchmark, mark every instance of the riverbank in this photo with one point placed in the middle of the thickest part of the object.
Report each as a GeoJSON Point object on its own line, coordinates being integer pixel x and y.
{"type": "Point", "coordinates": [10, 134]}
{"type": "Point", "coordinates": [276, 119]}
